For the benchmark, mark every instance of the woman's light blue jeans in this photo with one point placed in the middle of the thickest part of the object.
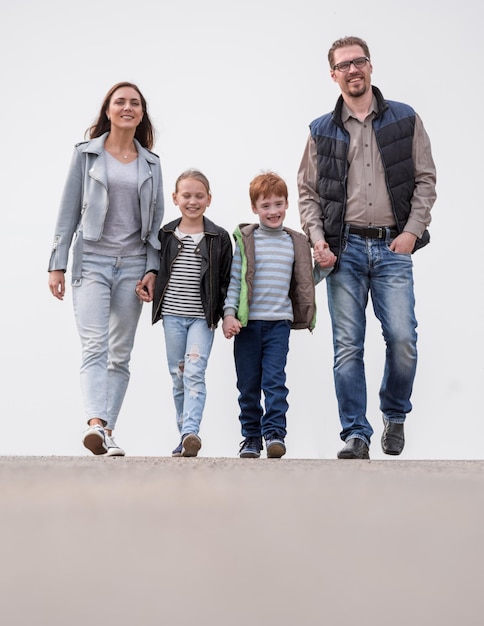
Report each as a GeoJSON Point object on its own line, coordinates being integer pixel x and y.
{"type": "Point", "coordinates": [368, 266]}
{"type": "Point", "coordinates": [188, 343]}
{"type": "Point", "coordinates": [107, 312]}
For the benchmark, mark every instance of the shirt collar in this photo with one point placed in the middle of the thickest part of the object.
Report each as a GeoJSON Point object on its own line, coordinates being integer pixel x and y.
{"type": "Point", "coordinates": [346, 112]}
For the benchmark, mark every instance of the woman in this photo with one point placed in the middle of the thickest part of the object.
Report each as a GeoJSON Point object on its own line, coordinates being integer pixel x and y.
{"type": "Point", "coordinates": [111, 209]}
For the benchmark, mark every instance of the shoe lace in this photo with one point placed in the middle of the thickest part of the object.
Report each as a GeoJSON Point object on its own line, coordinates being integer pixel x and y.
{"type": "Point", "coordinates": [250, 442]}
{"type": "Point", "coordinates": [110, 441]}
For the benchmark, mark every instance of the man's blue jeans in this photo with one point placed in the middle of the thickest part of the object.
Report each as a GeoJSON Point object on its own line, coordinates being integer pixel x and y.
{"type": "Point", "coordinates": [368, 266]}
{"type": "Point", "coordinates": [188, 343]}
{"type": "Point", "coordinates": [260, 351]}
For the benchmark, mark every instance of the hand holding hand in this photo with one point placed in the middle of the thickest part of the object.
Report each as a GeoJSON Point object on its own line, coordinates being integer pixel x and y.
{"type": "Point", "coordinates": [323, 255]}
{"type": "Point", "coordinates": [231, 326]}
{"type": "Point", "coordinates": [145, 288]}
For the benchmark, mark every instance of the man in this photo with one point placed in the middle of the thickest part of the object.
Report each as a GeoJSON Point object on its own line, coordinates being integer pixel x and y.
{"type": "Point", "coordinates": [366, 188]}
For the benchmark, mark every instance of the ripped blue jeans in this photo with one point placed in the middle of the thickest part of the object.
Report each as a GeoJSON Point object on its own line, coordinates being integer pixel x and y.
{"type": "Point", "coordinates": [188, 343]}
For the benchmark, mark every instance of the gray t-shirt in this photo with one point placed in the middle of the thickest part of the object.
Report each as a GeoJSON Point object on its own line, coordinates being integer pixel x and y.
{"type": "Point", "coordinates": [122, 227]}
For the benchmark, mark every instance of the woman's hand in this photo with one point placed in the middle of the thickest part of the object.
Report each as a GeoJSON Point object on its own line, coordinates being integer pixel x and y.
{"type": "Point", "coordinates": [57, 284]}
{"type": "Point", "coordinates": [145, 288]}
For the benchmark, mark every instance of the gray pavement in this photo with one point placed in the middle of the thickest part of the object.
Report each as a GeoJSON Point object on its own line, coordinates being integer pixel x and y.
{"type": "Point", "coordinates": [219, 541]}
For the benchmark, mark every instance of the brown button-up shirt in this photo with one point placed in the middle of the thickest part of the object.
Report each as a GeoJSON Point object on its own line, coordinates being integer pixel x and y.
{"type": "Point", "coordinates": [368, 202]}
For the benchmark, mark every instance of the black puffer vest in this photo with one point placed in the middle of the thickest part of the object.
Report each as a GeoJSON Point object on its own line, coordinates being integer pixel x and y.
{"type": "Point", "coordinates": [394, 127]}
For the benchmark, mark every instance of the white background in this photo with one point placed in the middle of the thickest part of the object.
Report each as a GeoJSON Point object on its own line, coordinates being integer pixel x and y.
{"type": "Point", "coordinates": [231, 88]}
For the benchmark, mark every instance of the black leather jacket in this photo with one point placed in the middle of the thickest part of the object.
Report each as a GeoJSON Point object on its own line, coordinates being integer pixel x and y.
{"type": "Point", "coordinates": [216, 251]}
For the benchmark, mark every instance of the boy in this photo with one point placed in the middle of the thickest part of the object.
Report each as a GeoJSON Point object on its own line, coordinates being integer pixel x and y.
{"type": "Point", "coordinates": [271, 290]}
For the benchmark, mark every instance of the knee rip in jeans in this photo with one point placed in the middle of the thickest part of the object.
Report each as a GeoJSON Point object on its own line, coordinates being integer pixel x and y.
{"type": "Point", "coordinates": [193, 354]}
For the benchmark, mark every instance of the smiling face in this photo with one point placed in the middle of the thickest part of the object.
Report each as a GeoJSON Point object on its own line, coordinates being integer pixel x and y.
{"type": "Point", "coordinates": [125, 110]}
{"type": "Point", "coordinates": [356, 82]}
{"type": "Point", "coordinates": [271, 210]}
{"type": "Point", "coordinates": [192, 198]}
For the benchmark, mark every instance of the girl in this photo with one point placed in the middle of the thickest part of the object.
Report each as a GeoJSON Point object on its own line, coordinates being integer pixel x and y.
{"type": "Point", "coordinates": [113, 207]}
{"type": "Point", "coordinates": [190, 290]}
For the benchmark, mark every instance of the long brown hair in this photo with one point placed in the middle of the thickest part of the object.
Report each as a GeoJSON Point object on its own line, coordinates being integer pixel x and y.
{"type": "Point", "coordinates": [145, 133]}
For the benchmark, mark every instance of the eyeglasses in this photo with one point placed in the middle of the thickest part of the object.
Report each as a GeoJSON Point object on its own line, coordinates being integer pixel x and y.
{"type": "Point", "coordinates": [344, 66]}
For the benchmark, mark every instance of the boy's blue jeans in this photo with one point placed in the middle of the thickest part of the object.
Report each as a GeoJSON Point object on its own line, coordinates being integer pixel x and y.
{"type": "Point", "coordinates": [188, 343]}
{"type": "Point", "coordinates": [260, 351]}
{"type": "Point", "coordinates": [368, 266]}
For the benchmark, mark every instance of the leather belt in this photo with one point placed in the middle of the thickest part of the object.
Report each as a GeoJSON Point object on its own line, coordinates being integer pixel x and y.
{"type": "Point", "coordinates": [372, 232]}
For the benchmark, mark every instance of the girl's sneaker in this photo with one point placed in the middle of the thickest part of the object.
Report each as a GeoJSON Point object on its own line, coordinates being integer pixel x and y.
{"type": "Point", "coordinates": [178, 450]}
{"type": "Point", "coordinates": [191, 444]}
{"type": "Point", "coordinates": [95, 440]}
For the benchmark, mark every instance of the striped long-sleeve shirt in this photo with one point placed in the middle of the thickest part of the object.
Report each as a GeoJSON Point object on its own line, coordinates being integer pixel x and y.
{"type": "Point", "coordinates": [182, 295]}
{"type": "Point", "coordinates": [274, 259]}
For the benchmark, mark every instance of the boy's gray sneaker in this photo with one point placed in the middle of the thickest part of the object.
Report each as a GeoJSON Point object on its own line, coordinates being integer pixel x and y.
{"type": "Point", "coordinates": [275, 448]}
{"type": "Point", "coordinates": [112, 446]}
{"type": "Point", "coordinates": [250, 448]}
{"type": "Point", "coordinates": [94, 439]}
{"type": "Point", "coordinates": [191, 444]}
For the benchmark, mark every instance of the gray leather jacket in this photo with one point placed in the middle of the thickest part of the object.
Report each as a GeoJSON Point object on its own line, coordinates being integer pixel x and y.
{"type": "Point", "coordinates": [85, 202]}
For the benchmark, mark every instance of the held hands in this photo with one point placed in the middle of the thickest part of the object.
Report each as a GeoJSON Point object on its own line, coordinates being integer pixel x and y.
{"type": "Point", "coordinates": [231, 326]}
{"type": "Point", "coordinates": [57, 284]}
{"type": "Point", "coordinates": [323, 255]}
{"type": "Point", "coordinates": [145, 288]}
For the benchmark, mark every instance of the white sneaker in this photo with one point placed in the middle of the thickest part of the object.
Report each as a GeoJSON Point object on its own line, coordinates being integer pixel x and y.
{"type": "Point", "coordinates": [112, 446]}
{"type": "Point", "coordinates": [95, 439]}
